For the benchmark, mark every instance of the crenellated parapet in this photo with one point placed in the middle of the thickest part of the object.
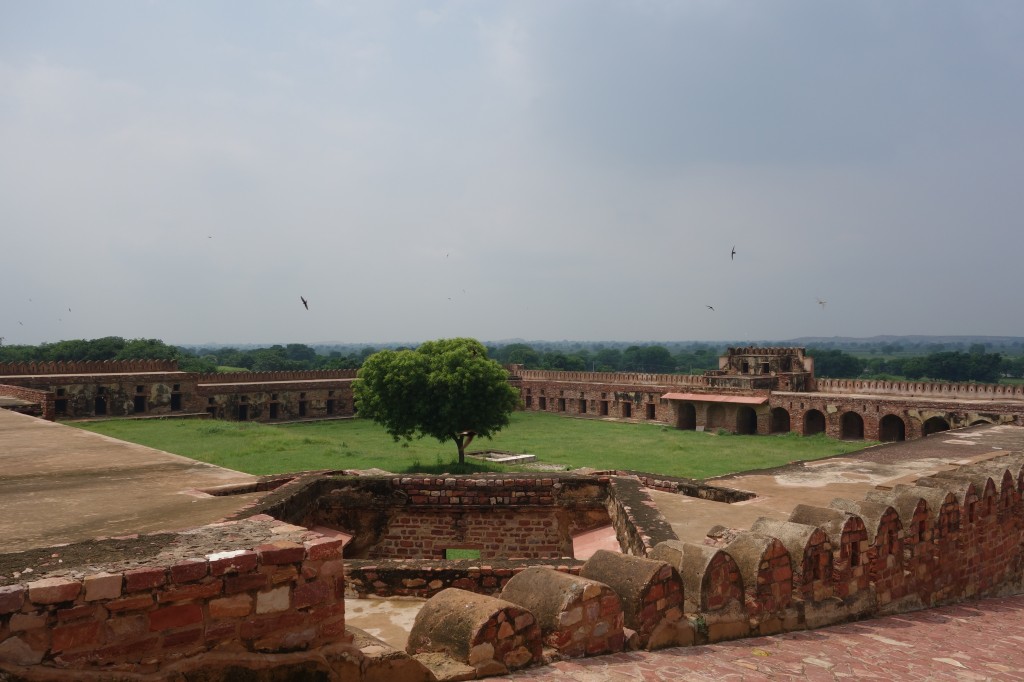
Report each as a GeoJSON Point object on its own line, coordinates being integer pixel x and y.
{"type": "Point", "coordinates": [86, 367]}
{"type": "Point", "coordinates": [269, 377]}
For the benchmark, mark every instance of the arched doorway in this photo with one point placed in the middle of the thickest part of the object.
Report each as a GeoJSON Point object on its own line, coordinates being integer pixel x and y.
{"type": "Point", "coordinates": [934, 425]}
{"type": "Point", "coordinates": [780, 420]}
{"type": "Point", "coordinates": [814, 422]}
{"type": "Point", "coordinates": [746, 421]}
{"type": "Point", "coordinates": [891, 429]}
{"type": "Point", "coordinates": [852, 426]}
{"type": "Point", "coordinates": [686, 418]}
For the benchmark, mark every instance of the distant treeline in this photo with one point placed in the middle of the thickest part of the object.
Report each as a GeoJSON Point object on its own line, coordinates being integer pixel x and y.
{"type": "Point", "coordinates": [972, 364]}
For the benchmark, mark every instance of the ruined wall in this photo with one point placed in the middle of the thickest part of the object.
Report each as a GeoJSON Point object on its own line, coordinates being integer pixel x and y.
{"type": "Point", "coordinates": [283, 594]}
{"type": "Point", "coordinates": [422, 516]}
{"type": "Point", "coordinates": [625, 401]}
{"type": "Point", "coordinates": [42, 401]}
{"type": "Point", "coordinates": [267, 400]}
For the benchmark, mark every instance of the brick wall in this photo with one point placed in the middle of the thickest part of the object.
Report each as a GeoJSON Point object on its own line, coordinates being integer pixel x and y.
{"type": "Point", "coordinates": [284, 594]}
{"type": "Point", "coordinates": [42, 400]}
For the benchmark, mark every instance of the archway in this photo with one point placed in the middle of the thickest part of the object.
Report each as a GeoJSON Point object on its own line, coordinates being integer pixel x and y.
{"type": "Point", "coordinates": [934, 425]}
{"type": "Point", "coordinates": [780, 420]}
{"type": "Point", "coordinates": [746, 421]}
{"type": "Point", "coordinates": [979, 422]}
{"type": "Point", "coordinates": [814, 422]}
{"type": "Point", "coordinates": [852, 426]}
{"type": "Point", "coordinates": [686, 417]}
{"type": "Point", "coordinates": [891, 429]}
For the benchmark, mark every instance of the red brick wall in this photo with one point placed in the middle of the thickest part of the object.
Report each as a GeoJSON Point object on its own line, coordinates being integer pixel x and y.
{"type": "Point", "coordinates": [496, 533]}
{"type": "Point", "coordinates": [277, 596]}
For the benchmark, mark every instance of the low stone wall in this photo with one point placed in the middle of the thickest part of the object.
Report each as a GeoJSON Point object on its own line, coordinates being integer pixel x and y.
{"type": "Point", "coordinates": [281, 590]}
{"type": "Point", "coordinates": [43, 400]}
{"type": "Point", "coordinates": [689, 487]}
{"type": "Point", "coordinates": [364, 578]}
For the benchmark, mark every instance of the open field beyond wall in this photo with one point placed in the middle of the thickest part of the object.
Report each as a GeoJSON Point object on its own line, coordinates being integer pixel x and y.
{"type": "Point", "coordinates": [572, 443]}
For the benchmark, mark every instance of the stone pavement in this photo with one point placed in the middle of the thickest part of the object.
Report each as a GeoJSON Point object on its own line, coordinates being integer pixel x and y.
{"type": "Point", "coordinates": [979, 640]}
{"type": "Point", "coordinates": [59, 484]}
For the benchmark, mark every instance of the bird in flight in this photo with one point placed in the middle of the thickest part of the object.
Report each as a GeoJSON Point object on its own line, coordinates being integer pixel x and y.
{"type": "Point", "coordinates": [732, 256]}
{"type": "Point", "coordinates": [304, 302]}
{"type": "Point", "coordinates": [822, 303]}
{"type": "Point", "coordinates": [711, 308]}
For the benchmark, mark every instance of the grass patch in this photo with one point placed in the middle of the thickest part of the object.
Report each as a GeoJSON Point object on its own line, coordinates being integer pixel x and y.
{"type": "Point", "coordinates": [572, 443]}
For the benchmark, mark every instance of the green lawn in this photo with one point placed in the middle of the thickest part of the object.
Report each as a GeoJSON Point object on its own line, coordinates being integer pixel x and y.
{"type": "Point", "coordinates": [572, 443]}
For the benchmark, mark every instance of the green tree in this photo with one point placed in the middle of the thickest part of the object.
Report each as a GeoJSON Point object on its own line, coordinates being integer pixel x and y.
{"type": "Point", "coordinates": [446, 389]}
{"type": "Point", "coordinates": [836, 364]}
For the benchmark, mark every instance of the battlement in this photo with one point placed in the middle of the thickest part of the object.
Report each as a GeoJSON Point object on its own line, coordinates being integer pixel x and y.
{"type": "Point", "coordinates": [266, 377]}
{"type": "Point", "coordinates": [87, 367]}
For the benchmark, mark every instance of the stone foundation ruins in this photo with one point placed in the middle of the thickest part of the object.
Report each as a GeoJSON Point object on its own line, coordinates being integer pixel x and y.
{"type": "Point", "coordinates": [267, 587]}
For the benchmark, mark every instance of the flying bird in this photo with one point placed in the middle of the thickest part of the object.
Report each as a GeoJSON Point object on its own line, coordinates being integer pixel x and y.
{"type": "Point", "coordinates": [822, 303]}
{"type": "Point", "coordinates": [304, 302]}
{"type": "Point", "coordinates": [709, 307]}
{"type": "Point", "coordinates": [732, 256]}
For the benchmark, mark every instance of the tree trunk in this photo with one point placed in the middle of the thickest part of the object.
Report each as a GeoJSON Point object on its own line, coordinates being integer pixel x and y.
{"type": "Point", "coordinates": [460, 443]}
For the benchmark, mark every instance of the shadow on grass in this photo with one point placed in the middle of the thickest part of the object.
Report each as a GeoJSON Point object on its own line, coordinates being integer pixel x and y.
{"type": "Point", "coordinates": [453, 467]}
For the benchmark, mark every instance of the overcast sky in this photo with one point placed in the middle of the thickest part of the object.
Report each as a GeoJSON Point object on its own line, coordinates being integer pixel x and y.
{"type": "Point", "coordinates": [186, 170]}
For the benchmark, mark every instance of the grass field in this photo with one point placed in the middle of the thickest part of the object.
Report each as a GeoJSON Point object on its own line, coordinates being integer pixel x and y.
{"type": "Point", "coordinates": [572, 443]}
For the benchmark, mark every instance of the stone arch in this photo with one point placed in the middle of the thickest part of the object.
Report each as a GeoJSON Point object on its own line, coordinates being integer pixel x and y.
{"type": "Point", "coordinates": [891, 428]}
{"type": "Point", "coordinates": [686, 417]}
{"type": "Point", "coordinates": [934, 425]}
{"type": "Point", "coordinates": [814, 422]}
{"type": "Point", "coordinates": [780, 420]}
{"type": "Point", "coordinates": [978, 422]}
{"type": "Point", "coordinates": [746, 420]}
{"type": "Point", "coordinates": [852, 426]}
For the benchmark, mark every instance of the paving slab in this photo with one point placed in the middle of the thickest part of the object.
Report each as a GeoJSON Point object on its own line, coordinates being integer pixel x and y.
{"type": "Point", "coordinates": [978, 640]}
{"type": "Point", "coordinates": [850, 476]}
{"type": "Point", "coordinates": [60, 484]}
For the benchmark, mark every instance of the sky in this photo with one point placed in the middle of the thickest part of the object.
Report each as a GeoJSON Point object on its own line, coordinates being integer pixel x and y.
{"type": "Point", "coordinates": [186, 170]}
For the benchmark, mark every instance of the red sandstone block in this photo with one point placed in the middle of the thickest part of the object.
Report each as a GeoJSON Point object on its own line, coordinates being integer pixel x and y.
{"type": "Point", "coordinates": [222, 631]}
{"type": "Point", "coordinates": [130, 652]}
{"type": "Point", "coordinates": [233, 584]}
{"type": "Point", "coordinates": [237, 606]}
{"type": "Point", "coordinates": [21, 622]}
{"type": "Point", "coordinates": [281, 552]}
{"type": "Point", "coordinates": [53, 590]}
{"type": "Point", "coordinates": [280, 574]}
{"type": "Point", "coordinates": [11, 598]}
{"type": "Point", "coordinates": [309, 594]}
{"type": "Point", "coordinates": [99, 586]}
{"type": "Point", "coordinates": [175, 617]}
{"type": "Point", "coordinates": [78, 612]}
{"type": "Point", "coordinates": [176, 639]}
{"type": "Point", "coordinates": [200, 591]}
{"type": "Point", "coordinates": [323, 548]}
{"type": "Point", "coordinates": [237, 561]}
{"type": "Point", "coordinates": [144, 579]}
{"type": "Point", "coordinates": [189, 570]}
{"type": "Point", "coordinates": [142, 601]}
{"type": "Point", "coordinates": [73, 636]}
{"type": "Point", "coordinates": [256, 628]}
{"type": "Point", "coordinates": [126, 627]}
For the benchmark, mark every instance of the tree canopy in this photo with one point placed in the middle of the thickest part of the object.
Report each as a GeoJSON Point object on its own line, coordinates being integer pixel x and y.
{"type": "Point", "coordinates": [446, 389]}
